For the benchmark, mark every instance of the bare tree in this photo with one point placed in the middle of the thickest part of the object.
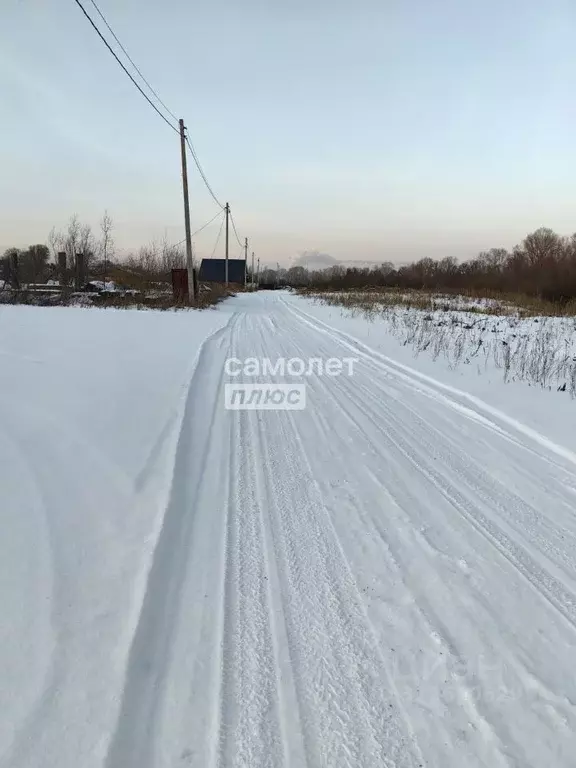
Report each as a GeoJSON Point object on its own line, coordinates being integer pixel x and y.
{"type": "Point", "coordinates": [55, 242]}
{"type": "Point", "coordinates": [78, 238]}
{"type": "Point", "coordinates": [172, 256]}
{"type": "Point", "coordinates": [297, 276]}
{"type": "Point", "coordinates": [86, 244]}
{"type": "Point", "coordinates": [149, 258]}
{"type": "Point", "coordinates": [107, 241]}
{"type": "Point", "coordinates": [542, 246]}
{"type": "Point", "coordinates": [72, 241]}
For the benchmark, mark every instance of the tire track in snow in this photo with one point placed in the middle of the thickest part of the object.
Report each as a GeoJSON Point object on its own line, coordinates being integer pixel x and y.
{"type": "Point", "coordinates": [484, 742]}
{"type": "Point", "coordinates": [536, 529]}
{"type": "Point", "coordinates": [491, 729]}
{"type": "Point", "coordinates": [250, 721]}
{"type": "Point", "coordinates": [554, 535]}
{"type": "Point", "coordinates": [424, 618]}
{"type": "Point", "coordinates": [545, 583]}
{"type": "Point", "coordinates": [531, 524]}
{"type": "Point", "coordinates": [562, 478]}
{"type": "Point", "coordinates": [350, 713]}
{"type": "Point", "coordinates": [554, 592]}
{"type": "Point", "coordinates": [330, 669]}
{"type": "Point", "coordinates": [381, 417]}
{"type": "Point", "coordinates": [133, 742]}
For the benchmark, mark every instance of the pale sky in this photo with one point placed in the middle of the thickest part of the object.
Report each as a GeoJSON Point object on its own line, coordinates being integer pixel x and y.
{"type": "Point", "coordinates": [366, 129]}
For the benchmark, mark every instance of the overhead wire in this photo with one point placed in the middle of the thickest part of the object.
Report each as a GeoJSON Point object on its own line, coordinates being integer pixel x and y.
{"type": "Point", "coordinates": [107, 44]}
{"type": "Point", "coordinates": [201, 228]}
{"type": "Point", "coordinates": [217, 239]}
{"type": "Point", "coordinates": [201, 172]}
{"type": "Point", "coordinates": [235, 230]}
{"type": "Point", "coordinates": [131, 60]}
{"type": "Point", "coordinates": [160, 101]}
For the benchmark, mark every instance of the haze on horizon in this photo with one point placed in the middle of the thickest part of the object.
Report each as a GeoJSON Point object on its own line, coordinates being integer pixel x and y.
{"type": "Point", "coordinates": [372, 131]}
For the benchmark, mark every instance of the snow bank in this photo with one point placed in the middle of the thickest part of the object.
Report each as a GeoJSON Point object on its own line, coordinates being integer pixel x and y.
{"type": "Point", "coordinates": [90, 405]}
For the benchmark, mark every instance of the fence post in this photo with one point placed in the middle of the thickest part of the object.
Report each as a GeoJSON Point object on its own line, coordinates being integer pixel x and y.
{"type": "Point", "coordinates": [14, 271]}
{"type": "Point", "coordinates": [80, 272]}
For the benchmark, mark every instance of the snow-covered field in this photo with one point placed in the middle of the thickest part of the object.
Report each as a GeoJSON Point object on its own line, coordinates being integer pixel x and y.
{"type": "Point", "coordinates": [540, 351]}
{"type": "Point", "coordinates": [386, 578]}
{"type": "Point", "coordinates": [381, 301]}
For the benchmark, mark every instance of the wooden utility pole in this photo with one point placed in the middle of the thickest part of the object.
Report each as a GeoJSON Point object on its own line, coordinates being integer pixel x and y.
{"type": "Point", "coordinates": [226, 267]}
{"type": "Point", "coordinates": [245, 260]}
{"type": "Point", "coordinates": [252, 273]}
{"type": "Point", "coordinates": [189, 264]}
{"type": "Point", "coordinates": [258, 274]}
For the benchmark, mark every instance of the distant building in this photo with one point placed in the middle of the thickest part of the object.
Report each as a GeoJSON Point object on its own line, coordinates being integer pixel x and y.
{"type": "Point", "coordinates": [214, 271]}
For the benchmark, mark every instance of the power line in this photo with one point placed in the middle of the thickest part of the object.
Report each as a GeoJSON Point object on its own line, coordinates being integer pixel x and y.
{"type": "Point", "coordinates": [107, 44]}
{"type": "Point", "coordinates": [217, 239]}
{"type": "Point", "coordinates": [235, 231]}
{"type": "Point", "coordinates": [131, 60]}
{"type": "Point", "coordinates": [188, 142]}
{"type": "Point", "coordinates": [201, 228]}
{"type": "Point", "coordinates": [155, 108]}
{"type": "Point", "coordinates": [201, 172]}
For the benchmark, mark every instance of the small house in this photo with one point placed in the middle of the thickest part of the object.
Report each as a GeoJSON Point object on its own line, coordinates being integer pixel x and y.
{"type": "Point", "coordinates": [214, 271]}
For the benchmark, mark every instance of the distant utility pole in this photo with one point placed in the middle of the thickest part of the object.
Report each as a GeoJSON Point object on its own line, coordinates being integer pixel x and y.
{"type": "Point", "coordinates": [226, 267]}
{"type": "Point", "coordinates": [189, 263]}
{"type": "Point", "coordinates": [252, 274]}
{"type": "Point", "coordinates": [258, 274]}
{"type": "Point", "coordinates": [245, 260]}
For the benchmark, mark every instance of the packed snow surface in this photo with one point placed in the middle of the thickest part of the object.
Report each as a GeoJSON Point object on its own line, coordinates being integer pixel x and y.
{"type": "Point", "coordinates": [385, 578]}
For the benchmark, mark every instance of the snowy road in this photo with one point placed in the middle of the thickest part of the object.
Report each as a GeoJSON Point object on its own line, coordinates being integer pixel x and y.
{"type": "Point", "coordinates": [386, 578]}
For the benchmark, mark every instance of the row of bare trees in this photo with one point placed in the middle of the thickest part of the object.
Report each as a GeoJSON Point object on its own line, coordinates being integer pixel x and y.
{"type": "Point", "coordinates": [153, 262]}
{"type": "Point", "coordinates": [79, 238]}
{"type": "Point", "coordinates": [543, 265]}
{"type": "Point", "coordinates": [36, 264]}
{"type": "Point", "coordinates": [150, 265]}
{"type": "Point", "coordinates": [156, 260]}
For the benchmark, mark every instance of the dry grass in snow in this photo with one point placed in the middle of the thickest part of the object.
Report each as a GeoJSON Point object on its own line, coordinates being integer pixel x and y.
{"type": "Point", "coordinates": [481, 333]}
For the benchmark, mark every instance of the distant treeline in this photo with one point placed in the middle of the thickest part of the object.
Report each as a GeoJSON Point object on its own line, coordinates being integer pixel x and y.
{"type": "Point", "coordinates": [150, 264]}
{"type": "Point", "coordinates": [544, 265]}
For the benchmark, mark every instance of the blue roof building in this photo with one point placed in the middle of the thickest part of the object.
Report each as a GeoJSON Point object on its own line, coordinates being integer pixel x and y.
{"type": "Point", "coordinates": [214, 271]}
